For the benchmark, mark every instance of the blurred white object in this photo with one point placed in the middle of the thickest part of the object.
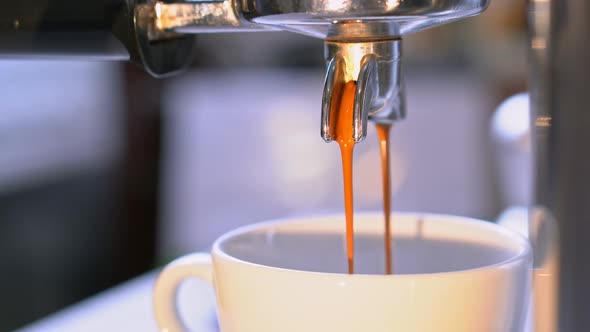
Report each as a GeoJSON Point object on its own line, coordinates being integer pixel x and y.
{"type": "Point", "coordinates": [516, 218]}
{"type": "Point", "coordinates": [511, 136]}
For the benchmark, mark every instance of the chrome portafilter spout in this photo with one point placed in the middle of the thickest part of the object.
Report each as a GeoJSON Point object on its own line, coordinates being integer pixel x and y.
{"type": "Point", "coordinates": [375, 66]}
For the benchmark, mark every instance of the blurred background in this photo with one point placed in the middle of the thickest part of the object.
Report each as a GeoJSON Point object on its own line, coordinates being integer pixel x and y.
{"type": "Point", "coordinates": [106, 173]}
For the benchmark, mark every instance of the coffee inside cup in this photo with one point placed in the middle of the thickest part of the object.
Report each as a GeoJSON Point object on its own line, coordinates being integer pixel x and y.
{"type": "Point", "coordinates": [420, 246]}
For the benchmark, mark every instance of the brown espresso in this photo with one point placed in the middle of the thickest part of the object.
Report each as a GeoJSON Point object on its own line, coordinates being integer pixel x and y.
{"type": "Point", "coordinates": [383, 131]}
{"type": "Point", "coordinates": [342, 113]}
{"type": "Point", "coordinates": [342, 116]}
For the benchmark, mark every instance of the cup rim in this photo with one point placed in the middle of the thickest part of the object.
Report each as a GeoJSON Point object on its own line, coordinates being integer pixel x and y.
{"type": "Point", "coordinates": [524, 250]}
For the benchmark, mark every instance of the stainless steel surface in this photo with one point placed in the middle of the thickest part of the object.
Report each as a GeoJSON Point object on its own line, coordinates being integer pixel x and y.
{"type": "Point", "coordinates": [560, 63]}
{"type": "Point", "coordinates": [335, 80]}
{"type": "Point", "coordinates": [47, 29]}
{"type": "Point", "coordinates": [90, 29]}
{"type": "Point", "coordinates": [334, 76]}
{"type": "Point", "coordinates": [358, 19]}
{"type": "Point", "coordinates": [154, 34]}
{"type": "Point", "coordinates": [150, 32]}
{"type": "Point", "coordinates": [376, 67]}
{"type": "Point", "coordinates": [160, 53]}
{"type": "Point", "coordinates": [201, 17]}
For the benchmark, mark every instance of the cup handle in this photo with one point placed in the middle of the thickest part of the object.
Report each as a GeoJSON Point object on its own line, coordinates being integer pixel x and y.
{"type": "Point", "coordinates": [190, 266]}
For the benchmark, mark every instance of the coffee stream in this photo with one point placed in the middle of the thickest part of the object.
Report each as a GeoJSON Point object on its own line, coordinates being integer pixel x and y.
{"type": "Point", "coordinates": [342, 113]}
{"type": "Point", "coordinates": [344, 119]}
{"type": "Point", "coordinates": [383, 131]}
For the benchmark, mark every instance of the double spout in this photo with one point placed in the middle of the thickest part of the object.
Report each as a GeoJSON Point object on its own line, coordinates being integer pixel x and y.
{"type": "Point", "coordinates": [375, 66]}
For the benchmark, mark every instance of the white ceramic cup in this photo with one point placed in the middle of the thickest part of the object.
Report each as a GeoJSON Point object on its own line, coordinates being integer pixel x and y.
{"type": "Point", "coordinates": [451, 274]}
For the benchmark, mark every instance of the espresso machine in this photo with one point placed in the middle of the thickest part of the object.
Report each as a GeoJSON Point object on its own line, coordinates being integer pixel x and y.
{"type": "Point", "coordinates": [363, 43]}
